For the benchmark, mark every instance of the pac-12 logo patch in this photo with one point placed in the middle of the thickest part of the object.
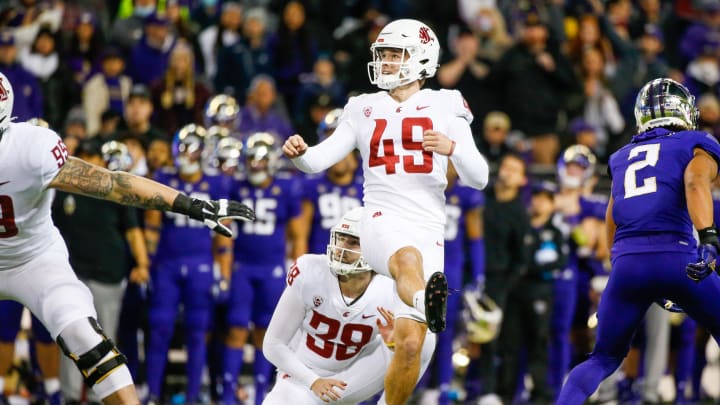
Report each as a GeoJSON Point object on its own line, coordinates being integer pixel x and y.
{"type": "Point", "coordinates": [317, 301]}
{"type": "Point", "coordinates": [367, 111]}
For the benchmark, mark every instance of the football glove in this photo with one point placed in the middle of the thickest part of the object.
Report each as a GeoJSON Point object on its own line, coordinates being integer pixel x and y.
{"type": "Point", "coordinates": [213, 212]}
{"type": "Point", "coordinates": [707, 255]}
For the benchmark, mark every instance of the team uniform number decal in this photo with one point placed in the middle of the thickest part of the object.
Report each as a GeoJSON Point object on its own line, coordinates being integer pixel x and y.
{"type": "Point", "coordinates": [353, 337]}
{"type": "Point", "coordinates": [8, 228]}
{"type": "Point", "coordinates": [389, 159]}
{"type": "Point", "coordinates": [649, 184]}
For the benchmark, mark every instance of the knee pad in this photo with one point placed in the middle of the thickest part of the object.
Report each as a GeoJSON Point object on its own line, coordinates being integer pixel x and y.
{"type": "Point", "coordinates": [100, 361]}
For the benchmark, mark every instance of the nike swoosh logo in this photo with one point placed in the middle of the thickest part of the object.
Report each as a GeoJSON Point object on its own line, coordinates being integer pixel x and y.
{"type": "Point", "coordinates": [367, 316]}
{"type": "Point", "coordinates": [4, 182]}
{"type": "Point", "coordinates": [422, 108]}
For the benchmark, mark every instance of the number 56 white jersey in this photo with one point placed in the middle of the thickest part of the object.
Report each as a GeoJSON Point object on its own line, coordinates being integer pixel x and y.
{"type": "Point", "coordinates": [30, 157]}
{"type": "Point", "coordinates": [399, 175]}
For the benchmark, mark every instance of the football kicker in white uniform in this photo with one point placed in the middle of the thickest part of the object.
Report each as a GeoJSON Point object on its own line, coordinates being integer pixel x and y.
{"type": "Point", "coordinates": [324, 336]}
{"type": "Point", "coordinates": [405, 136]}
{"type": "Point", "coordinates": [34, 266]}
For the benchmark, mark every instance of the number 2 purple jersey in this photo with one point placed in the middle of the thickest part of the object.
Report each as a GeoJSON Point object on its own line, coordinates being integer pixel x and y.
{"type": "Point", "coordinates": [648, 186]}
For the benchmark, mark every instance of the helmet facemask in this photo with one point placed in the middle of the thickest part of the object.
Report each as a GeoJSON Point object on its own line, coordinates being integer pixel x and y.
{"type": "Point", "coordinates": [344, 254]}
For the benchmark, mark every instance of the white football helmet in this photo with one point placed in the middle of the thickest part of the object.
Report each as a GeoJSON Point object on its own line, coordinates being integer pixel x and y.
{"type": "Point", "coordinates": [421, 51]}
{"type": "Point", "coordinates": [7, 97]}
{"type": "Point", "coordinates": [482, 317]}
{"type": "Point", "coordinates": [340, 258]}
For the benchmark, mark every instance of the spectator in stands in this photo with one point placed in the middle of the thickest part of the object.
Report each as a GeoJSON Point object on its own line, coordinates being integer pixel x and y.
{"type": "Point", "coordinates": [638, 64]}
{"type": "Point", "coordinates": [709, 114]}
{"type": "Point", "coordinates": [650, 13]}
{"type": "Point", "coordinates": [75, 130]}
{"type": "Point", "coordinates": [43, 61]}
{"type": "Point", "coordinates": [84, 48]}
{"type": "Point", "coordinates": [493, 143]}
{"type": "Point", "coordinates": [138, 110]}
{"type": "Point", "coordinates": [149, 57]}
{"type": "Point", "coordinates": [583, 133]}
{"type": "Point", "coordinates": [128, 30]}
{"type": "Point", "coordinates": [206, 13]}
{"type": "Point", "coordinates": [294, 50]}
{"type": "Point", "coordinates": [226, 33]}
{"type": "Point", "coordinates": [137, 149]}
{"type": "Point", "coordinates": [109, 122]}
{"type": "Point", "coordinates": [96, 233]}
{"type": "Point", "coordinates": [178, 98]}
{"type": "Point", "coordinates": [600, 109]}
{"type": "Point", "coordinates": [467, 70]}
{"type": "Point", "coordinates": [261, 112]}
{"type": "Point", "coordinates": [248, 58]}
{"type": "Point", "coordinates": [31, 103]}
{"type": "Point", "coordinates": [321, 81]}
{"type": "Point", "coordinates": [350, 52]}
{"type": "Point", "coordinates": [106, 90]}
{"type": "Point", "coordinates": [705, 29]}
{"type": "Point", "coordinates": [530, 74]}
{"type": "Point", "coordinates": [702, 74]}
{"type": "Point", "coordinates": [158, 155]}
{"type": "Point", "coordinates": [30, 15]}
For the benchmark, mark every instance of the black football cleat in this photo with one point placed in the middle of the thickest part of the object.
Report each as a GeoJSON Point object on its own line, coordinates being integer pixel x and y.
{"type": "Point", "coordinates": [436, 292]}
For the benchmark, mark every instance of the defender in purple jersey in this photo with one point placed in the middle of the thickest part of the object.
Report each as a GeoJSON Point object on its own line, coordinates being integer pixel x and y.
{"type": "Point", "coordinates": [259, 270]}
{"type": "Point", "coordinates": [661, 189]}
{"type": "Point", "coordinates": [185, 254]}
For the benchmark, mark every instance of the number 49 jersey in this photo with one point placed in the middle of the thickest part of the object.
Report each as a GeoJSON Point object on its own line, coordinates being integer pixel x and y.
{"type": "Point", "coordinates": [399, 175]}
{"type": "Point", "coordinates": [648, 186]}
{"type": "Point", "coordinates": [334, 333]}
{"type": "Point", "coordinates": [30, 158]}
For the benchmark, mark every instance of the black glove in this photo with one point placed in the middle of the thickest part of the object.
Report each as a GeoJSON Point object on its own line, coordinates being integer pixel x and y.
{"type": "Point", "coordinates": [212, 212]}
{"type": "Point", "coordinates": [707, 255]}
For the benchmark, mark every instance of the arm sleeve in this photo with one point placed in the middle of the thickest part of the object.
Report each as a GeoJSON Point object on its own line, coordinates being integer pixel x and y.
{"type": "Point", "coordinates": [286, 320]}
{"type": "Point", "coordinates": [469, 163]}
{"type": "Point", "coordinates": [328, 152]}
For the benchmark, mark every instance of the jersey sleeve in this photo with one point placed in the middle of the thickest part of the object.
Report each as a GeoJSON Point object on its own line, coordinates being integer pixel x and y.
{"type": "Point", "coordinates": [286, 321]}
{"type": "Point", "coordinates": [709, 144]}
{"type": "Point", "coordinates": [458, 105]}
{"type": "Point", "coordinates": [48, 153]}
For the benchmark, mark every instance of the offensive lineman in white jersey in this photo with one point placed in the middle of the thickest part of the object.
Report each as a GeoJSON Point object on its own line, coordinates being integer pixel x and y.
{"type": "Point", "coordinates": [34, 265]}
{"type": "Point", "coordinates": [335, 304]}
{"type": "Point", "coordinates": [405, 136]}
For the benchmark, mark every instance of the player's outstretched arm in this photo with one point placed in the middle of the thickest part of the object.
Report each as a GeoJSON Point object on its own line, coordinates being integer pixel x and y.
{"type": "Point", "coordinates": [323, 155]}
{"type": "Point", "coordinates": [80, 177]}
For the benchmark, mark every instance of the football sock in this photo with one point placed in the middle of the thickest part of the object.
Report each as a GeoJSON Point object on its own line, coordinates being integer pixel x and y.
{"type": "Point", "coordinates": [233, 361]}
{"type": "Point", "coordinates": [263, 370]}
{"type": "Point", "coordinates": [196, 349]}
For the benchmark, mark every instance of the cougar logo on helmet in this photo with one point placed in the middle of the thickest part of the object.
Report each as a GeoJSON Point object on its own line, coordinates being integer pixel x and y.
{"type": "Point", "coordinates": [3, 91]}
{"type": "Point", "coordinates": [425, 35]}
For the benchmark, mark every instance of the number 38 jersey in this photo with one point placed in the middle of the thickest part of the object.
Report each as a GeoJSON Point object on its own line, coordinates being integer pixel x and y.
{"type": "Point", "coordinates": [334, 333]}
{"type": "Point", "coordinates": [30, 158]}
{"type": "Point", "coordinates": [648, 186]}
{"type": "Point", "coordinates": [399, 175]}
